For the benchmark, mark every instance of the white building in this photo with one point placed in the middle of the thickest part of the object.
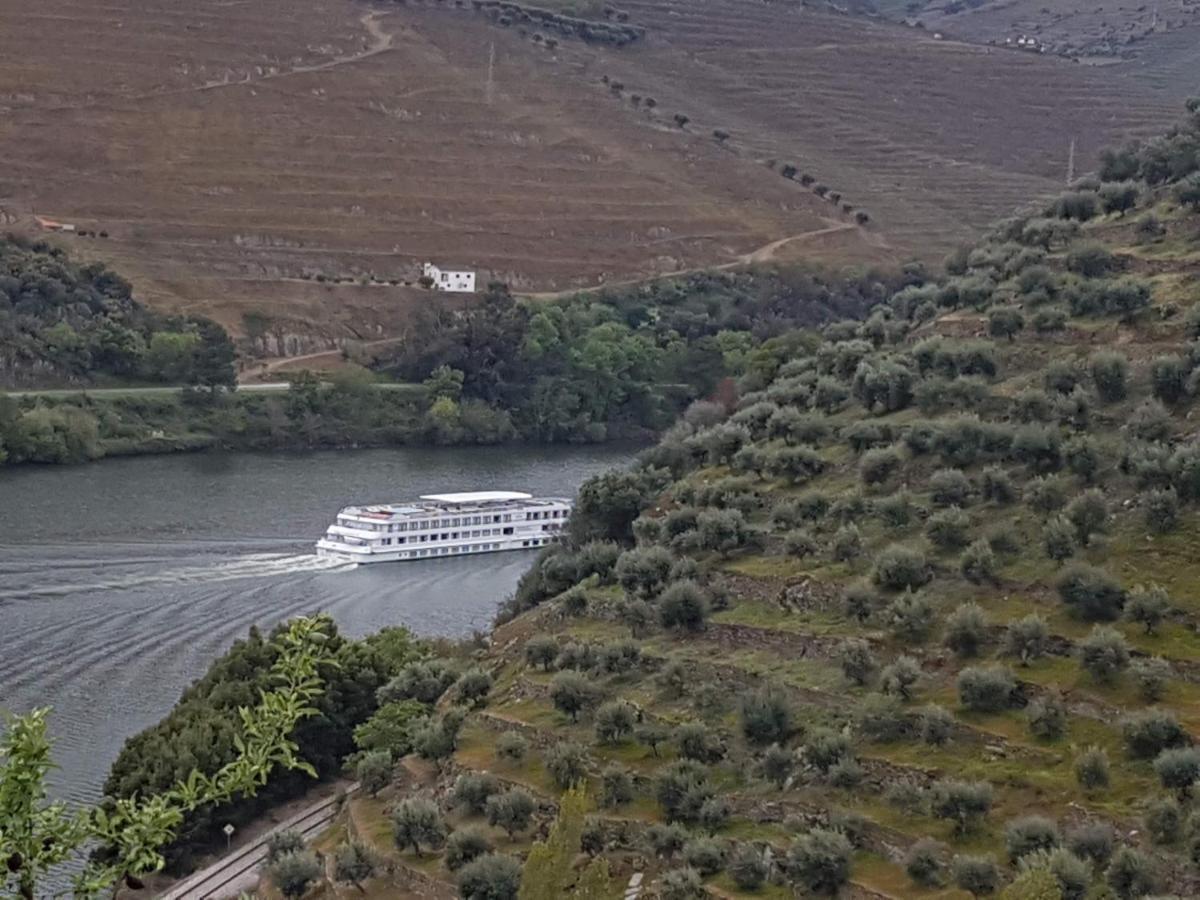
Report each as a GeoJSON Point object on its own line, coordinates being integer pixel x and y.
{"type": "Point", "coordinates": [458, 281]}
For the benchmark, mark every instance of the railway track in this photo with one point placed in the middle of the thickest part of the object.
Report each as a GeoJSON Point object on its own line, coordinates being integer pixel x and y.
{"type": "Point", "coordinates": [225, 877]}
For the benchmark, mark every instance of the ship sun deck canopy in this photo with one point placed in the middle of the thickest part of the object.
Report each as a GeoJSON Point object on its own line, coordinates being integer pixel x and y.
{"type": "Point", "coordinates": [436, 504]}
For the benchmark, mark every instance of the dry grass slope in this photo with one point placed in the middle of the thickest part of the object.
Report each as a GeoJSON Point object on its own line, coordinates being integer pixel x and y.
{"type": "Point", "coordinates": [234, 152]}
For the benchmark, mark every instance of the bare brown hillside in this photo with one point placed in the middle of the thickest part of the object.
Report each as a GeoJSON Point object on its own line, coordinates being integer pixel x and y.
{"type": "Point", "coordinates": [241, 156]}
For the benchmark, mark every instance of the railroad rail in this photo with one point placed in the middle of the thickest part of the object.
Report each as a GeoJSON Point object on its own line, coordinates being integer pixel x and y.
{"type": "Point", "coordinates": [221, 878]}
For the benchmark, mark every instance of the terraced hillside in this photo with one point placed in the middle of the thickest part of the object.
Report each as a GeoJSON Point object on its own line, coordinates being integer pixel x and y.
{"type": "Point", "coordinates": [295, 164]}
{"type": "Point", "coordinates": [916, 617]}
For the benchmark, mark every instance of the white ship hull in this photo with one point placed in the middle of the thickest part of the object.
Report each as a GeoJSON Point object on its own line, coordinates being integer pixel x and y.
{"type": "Point", "coordinates": [445, 525]}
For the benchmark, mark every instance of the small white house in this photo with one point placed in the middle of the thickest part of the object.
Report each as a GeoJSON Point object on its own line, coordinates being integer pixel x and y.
{"type": "Point", "coordinates": [458, 281]}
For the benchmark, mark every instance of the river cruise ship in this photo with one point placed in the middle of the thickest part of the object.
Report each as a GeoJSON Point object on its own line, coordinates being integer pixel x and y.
{"type": "Point", "coordinates": [441, 525]}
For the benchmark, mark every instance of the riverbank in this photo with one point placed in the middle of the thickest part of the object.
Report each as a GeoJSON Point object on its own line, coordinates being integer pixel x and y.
{"type": "Point", "coordinates": [64, 427]}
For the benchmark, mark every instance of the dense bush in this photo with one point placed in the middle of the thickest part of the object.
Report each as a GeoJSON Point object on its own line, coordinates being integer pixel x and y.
{"type": "Point", "coordinates": [899, 568]}
{"type": "Point", "coordinates": [1104, 653]}
{"type": "Point", "coordinates": [1029, 834]}
{"type": "Point", "coordinates": [1149, 733]}
{"type": "Point", "coordinates": [986, 689]}
{"type": "Point", "coordinates": [1090, 593]}
{"type": "Point", "coordinates": [820, 861]}
{"type": "Point", "coordinates": [962, 802]}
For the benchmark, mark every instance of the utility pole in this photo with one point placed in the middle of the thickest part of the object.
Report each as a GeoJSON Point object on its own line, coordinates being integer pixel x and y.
{"type": "Point", "coordinates": [1071, 164]}
{"type": "Point", "coordinates": [491, 72]}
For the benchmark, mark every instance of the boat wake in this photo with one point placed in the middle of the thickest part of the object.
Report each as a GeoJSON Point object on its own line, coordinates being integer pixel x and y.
{"type": "Point", "coordinates": [256, 565]}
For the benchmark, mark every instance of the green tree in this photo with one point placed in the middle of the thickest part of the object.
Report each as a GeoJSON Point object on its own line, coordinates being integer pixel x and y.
{"type": "Point", "coordinates": [37, 834]}
{"type": "Point", "coordinates": [293, 872]}
{"type": "Point", "coordinates": [354, 862]}
{"type": "Point", "coordinates": [417, 822]}
{"type": "Point", "coordinates": [548, 872]}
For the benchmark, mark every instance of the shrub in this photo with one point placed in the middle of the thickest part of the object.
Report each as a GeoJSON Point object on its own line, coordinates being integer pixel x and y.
{"type": "Point", "coordinates": [1060, 871]}
{"type": "Point", "coordinates": [1104, 653]}
{"type": "Point", "coordinates": [748, 868]}
{"type": "Point", "coordinates": [820, 861]}
{"type": "Point", "coordinates": [1046, 495]}
{"type": "Point", "coordinates": [987, 690]}
{"type": "Point", "coordinates": [567, 763]}
{"type": "Point", "coordinates": [465, 845]}
{"type": "Point", "coordinates": [293, 872]}
{"type": "Point", "coordinates": [1089, 514]}
{"type": "Point", "coordinates": [492, 876]}
{"type": "Point", "coordinates": [799, 543]}
{"type": "Point", "coordinates": [949, 487]}
{"type": "Point", "coordinates": [859, 602]}
{"type": "Point", "coordinates": [1049, 319]}
{"type": "Point", "coordinates": [374, 771]}
{"type": "Point", "coordinates": [962, 802]}
{"type": "Point", "coordinates": [697, 742]}
{"type": "Point", "coordinates": [978, 563]}
{"type": "Point", "coordinates": [354, 863]}
{"type": "Point", "coordinates": [1058, 539]}
{"type": "Point", "coordinates": [997, 486]}
{"type": "Point", "coordinates": [1047, 717]}
{"type": "Point", "coordinates": [705, 855]}
{"type": "Point", "coordinates": [1027, 638]}
{"type": "Point", "coordinates": [616, 786]}
{"type": "Point", "coordinates": [643, 571]}
{"type": "Point", "coordinates": [882, 718]}
{"type": "Point", "coordinates": [473, 687]}
{"type": "Point", "coordinates": [948, 529]}
{"type": "Point", "coordinates": [1005, 322]}
{"type": "Point", "coordinates": [966, 629]}
{"type": "Point", "coordinates": [766, 716]}
{"type": "Point", "coordinates": [1091, 260]}
{"type": "Point", "coordinates": [847, 543]}
{"type": "Point", "coordinates": [1091, 769]}
{"type": "Point", "coordinates": [571, 693]}
{"type": "Point", "coordinates": [1152, 676]}
{"type": "Point", "coordinates": [1178, 768]}
{"type": "Point", "coordinates": [924, 864]}
{"type": "Point", "coordinates": [911, 618]}
{"type": "Point", "coordinates": [683, 606]}
{"type": "Point", "coordinates": [895, 509]}
{"type": "Point", "coordinates": [846, 773]}
{"type": "Point", "coordinates": [899, 677]}
{"type": "Point", "coordinates": [1130, 874]}
{"type": "Point", "coordinates": [824, 747]}
{"type": "Point", "coordinates": [1092, 841]}
{"type": "Point", "coordinates": [1149, 733]}
{"type": "Point", "coordinates": [778, 763]}
{"type": "Point", "coordinates": [666, 840]}
{"type": "Point", "coordinates": [1161, 510]}
{"type": "Point", "coordinates": [417, 822]}
{"type": "Point", "coordinates": [936, 725]}
{"type": "Point", "coordinates": [283, 842]}
{"type": "Point", "coordinates": [682, 789]}
{"type": "Point", "coordinates": [472, 791]}
{"type": "Point", "coordinates": [513, 810]}
{"type": "Point", "coordinates": [1168, 378]}
{"type": "Point", "coordinates": [681, 884]}
{"type": "Point", "coordinates": [615, 720]}
{"type": "Point", "coordinates": [1090, 593]}
{"type": "Point", "coordinates": [878, 465]}
{"type": "Point", "coordinates": [1029, 834]}
{"type": "Point", "coordinates": [899, 568]}
{"type": "Point", "coordinates": [857, 661]}
{"type": "Point", "coordinates": [977, 875]}
{"type": "Point", "coordinates": [541, 651]}
{"type": "Point", "coordinates": [1164, 821]}
{"type": "Point", "coordinates": [1110, 374]}
{"type": "Point", "coordinates": [1150, 421]}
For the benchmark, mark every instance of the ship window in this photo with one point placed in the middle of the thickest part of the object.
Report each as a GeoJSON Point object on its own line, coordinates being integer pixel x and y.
{"type": "Point", "coordinates": [524, 543]}
{"type": "Point", "coordinates": [508, 531]}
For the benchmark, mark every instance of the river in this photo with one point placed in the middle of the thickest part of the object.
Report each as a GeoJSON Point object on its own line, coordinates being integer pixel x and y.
{"type": "Point", "coordinates": [120, 581]}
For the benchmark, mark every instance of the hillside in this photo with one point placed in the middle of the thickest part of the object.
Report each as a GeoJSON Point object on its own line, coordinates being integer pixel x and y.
{"type": "Point", "coordinates": [285, 173]}
{"type": "Point", "coordinates": [917, 614]}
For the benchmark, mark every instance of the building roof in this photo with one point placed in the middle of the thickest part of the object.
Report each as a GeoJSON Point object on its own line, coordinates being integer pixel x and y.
{"type": "Point", "coordinates": [477, 497]}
